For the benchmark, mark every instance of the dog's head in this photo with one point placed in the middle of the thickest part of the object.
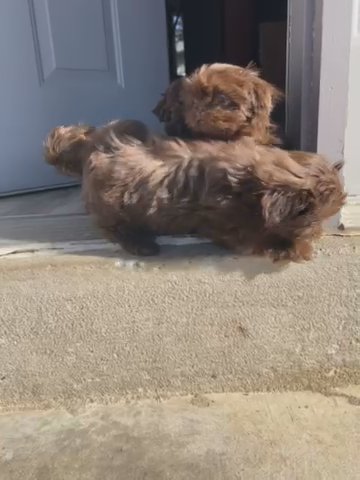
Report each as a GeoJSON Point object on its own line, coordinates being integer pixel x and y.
{"type": "Point", "coordinates": [300, 212]}
{"type": "Point", "coordinates": [219, 101]}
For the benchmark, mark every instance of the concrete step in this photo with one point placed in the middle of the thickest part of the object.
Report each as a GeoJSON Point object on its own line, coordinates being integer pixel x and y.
{"type": "Point", "coordinates": [279, 436]}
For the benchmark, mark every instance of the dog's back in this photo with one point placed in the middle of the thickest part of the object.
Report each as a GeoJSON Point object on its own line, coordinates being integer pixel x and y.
{"type": "Point", "coordinates": [188, 182]}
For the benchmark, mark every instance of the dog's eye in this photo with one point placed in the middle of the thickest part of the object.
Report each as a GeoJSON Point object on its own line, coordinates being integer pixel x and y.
{"type": "Point", "coordinates": [222, 100]}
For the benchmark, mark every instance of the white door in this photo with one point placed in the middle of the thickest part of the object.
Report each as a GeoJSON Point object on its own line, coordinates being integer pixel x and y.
{"type": "Point", "coordinates": [70, 61]}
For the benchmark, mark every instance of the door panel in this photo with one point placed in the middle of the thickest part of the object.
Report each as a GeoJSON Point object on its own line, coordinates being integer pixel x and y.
{"type": "Point", "coordinates": [73, 61]}
{"type": "Point", "coordinates": [66, 42]}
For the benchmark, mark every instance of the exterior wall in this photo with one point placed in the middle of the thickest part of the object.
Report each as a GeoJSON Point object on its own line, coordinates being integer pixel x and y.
{"type": "Point", "coordinates": [339, 97]}
{"type": "Point", "coordinates": [352, 131]}
{"type": "Point", "coordinates": [334, 77]}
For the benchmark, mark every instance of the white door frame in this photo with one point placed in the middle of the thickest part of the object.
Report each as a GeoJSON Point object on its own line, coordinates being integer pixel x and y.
{"type": "Point", "coordinates": [320, 36]}
{"type": "Point", "coordinates": [338, 31]}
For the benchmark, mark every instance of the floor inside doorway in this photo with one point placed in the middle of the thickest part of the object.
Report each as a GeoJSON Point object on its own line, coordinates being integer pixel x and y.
{"type": "Point", "coordinates": [65, 201]}
{"type": "Point", "coordinates": [43, 220]}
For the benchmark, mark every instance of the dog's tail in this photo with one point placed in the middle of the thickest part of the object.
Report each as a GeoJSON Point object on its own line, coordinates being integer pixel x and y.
{"type": "Point", "coordinates": [67, 148]}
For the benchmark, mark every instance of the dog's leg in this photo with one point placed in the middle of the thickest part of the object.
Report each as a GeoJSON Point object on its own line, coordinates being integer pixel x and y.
{"type": "Point", "coordinates": [299, 251]}
{"type": "Point", "coordinates": [302, 250]}
{"type": "Point", "coordinates": [134, 240]}
{"type": "Point", "coordinates": [233, 241]}
{"type": "Point", "coordinates": [138, 242]}
{"type": "Point", "coordinates": [283, 249]}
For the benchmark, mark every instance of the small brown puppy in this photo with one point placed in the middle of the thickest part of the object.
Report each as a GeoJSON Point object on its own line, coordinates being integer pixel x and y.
{"type": "Point", "coordinates": [239, 194]}
{"type": "Point", "coordinates": [220, 102]}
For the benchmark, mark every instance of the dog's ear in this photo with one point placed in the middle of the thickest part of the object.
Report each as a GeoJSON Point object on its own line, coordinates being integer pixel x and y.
{"type": "Point", "coordinates": [265, 97]}
{"type": "Point", "coordinates": [162, 111]}
{"type": "Point", "coordinates": [280, 205]}
{"type": "Point", "coordinates": [252, 68]}
{"type": "Point", "coordinates": [171, 101]}
{"type": "Point", "coordinates": [338, 166]}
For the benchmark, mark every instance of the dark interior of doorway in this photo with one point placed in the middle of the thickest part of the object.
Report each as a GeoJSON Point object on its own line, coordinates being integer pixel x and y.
{"type": "Point", "coordinates": [231, 31]}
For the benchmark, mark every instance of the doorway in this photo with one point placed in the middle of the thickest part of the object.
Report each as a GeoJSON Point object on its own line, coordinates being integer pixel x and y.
{"type": "Point", "coordinates": [230, 31]}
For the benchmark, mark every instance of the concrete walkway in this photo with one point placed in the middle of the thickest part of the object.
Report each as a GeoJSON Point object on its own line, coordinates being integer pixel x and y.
{"type": "Point", "coordinates": [75, 328]}
{"type": "Point", "coordinates": [286, 436]}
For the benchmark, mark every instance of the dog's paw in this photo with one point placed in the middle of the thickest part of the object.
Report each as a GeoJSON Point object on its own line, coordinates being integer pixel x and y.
{"type": "Point", "coordinates": [298, 253]}
{"type": "Point", "coordinates": [284, 256]}
{"type": "Point", "coordinates": [285, 251]}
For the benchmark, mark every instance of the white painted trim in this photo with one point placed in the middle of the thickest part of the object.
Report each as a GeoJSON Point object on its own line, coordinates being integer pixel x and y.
{"type": "Point", "coordinates": [350, 214]}
{"type": "Point", "coordinates": [352, 138]}
{"type": "Point", "coordinates": [337, 23]}
{"type": "Point", "coordinates": [340, 27]}
{"type": "Point", "coordinates": [356, 19]}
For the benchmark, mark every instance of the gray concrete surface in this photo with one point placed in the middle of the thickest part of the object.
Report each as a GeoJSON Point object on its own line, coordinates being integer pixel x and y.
{"type": "Point", "coordinates": [284, 436]}
{"type": "Point", "coordinates": [96, 349]}
{"type": "Point", "coordinates": [88, 328]}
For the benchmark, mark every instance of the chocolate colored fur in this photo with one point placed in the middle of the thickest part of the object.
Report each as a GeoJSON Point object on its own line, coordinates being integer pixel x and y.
{"type": "Point", "coordinates": [238, 194]}
{"type": "Point", "coordinates": [220, 101]}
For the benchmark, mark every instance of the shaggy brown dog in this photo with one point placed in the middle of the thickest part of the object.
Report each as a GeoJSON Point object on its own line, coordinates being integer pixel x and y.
{"type": "Point", "coordinates": [239, 194]}
{"type": "Point", "coordinates": [220, 102]}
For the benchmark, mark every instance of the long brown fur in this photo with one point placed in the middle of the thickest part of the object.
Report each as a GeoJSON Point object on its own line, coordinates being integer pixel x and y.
{"type": "Point", "coordinates": [238, 194]}
{"type": "Point", "coordinates": [220, 101]}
